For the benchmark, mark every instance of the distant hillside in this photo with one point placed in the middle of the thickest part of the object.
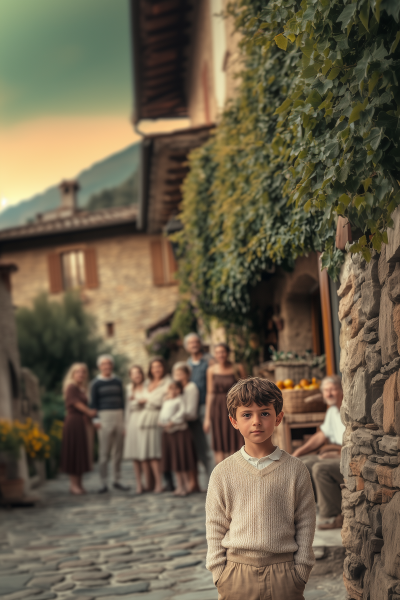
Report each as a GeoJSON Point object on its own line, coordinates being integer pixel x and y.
{"type": "Point", "coordinates": [123, 195]}
{"type": "Point", "coordinates": [117, 172]}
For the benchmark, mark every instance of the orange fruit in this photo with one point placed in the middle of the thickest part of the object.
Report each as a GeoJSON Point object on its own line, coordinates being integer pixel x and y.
{"type": "Point", "coordinates": [288, 383]}
{"type": "Point", "coordinates": [304, 382]}
{"type": "Point", "coordinates": [280, 384]}
{"type": "Point", "coordinates": [298, 387]}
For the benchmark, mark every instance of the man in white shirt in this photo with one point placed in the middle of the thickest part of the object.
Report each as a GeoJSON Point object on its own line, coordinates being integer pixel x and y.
{"type": "Point", "coordinates": [324, 467]}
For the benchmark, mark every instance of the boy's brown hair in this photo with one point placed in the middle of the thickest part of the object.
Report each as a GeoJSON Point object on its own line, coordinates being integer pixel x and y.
{"type": "Point", "coordinates": [254, 389]}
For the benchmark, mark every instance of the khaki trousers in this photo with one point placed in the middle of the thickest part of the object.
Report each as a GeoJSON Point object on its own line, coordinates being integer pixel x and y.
{"type": "Point", "coordinates": [111, 442]}
{"type": "Point", "coordinates": [277, 581]}
{"type": "Point", "coordinates": [326, 478]}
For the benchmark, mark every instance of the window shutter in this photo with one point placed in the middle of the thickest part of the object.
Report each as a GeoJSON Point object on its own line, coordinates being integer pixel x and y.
{"type": "Point", "coordinates": [157, 262]}
{"type": "Point", "coordinates": [55, 273]}
{"type": "Point", "coordinates": [172, 264]}
{"type": "Point", "coordinates": [92, 279]}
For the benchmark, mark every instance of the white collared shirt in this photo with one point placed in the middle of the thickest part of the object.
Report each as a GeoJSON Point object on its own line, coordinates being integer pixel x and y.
{"type": "Point", "coordinates": [264, 461]}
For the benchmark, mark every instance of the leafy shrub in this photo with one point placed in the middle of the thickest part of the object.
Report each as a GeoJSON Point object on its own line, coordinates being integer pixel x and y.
{"type": "Point", "coordinates": [52, 335]}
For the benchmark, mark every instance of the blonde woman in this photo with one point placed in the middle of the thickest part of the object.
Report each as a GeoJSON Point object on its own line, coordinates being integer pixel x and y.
{"type": "Point", "coordinates": [135, 401]}
{"type": "Point", "coordinates": [75, 456]}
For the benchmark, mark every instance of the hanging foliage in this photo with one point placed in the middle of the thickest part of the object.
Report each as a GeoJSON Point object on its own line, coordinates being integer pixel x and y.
{"type": "Point", "coordinates": [312, 133]}
{"type": "Point", "coordinates": [345, 106]}
{"type": "Point", "coordinates": [236, 221]}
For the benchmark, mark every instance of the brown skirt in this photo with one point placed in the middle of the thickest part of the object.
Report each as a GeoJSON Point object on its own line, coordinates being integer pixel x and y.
{"type": "Point", "coordinates": [178, 452]}
{"type": "Point", "coordinates": [225, 438]}
{"type": "Point", "coordinates": [75, 458]}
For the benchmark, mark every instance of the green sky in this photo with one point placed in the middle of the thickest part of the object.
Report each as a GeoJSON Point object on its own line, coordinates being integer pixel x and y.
{"type": "Point", "coordinates": [64, 57]}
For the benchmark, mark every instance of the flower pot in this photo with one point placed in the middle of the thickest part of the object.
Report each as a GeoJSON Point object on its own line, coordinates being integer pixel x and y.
{"type": "Point", "coordinates": [12, 489]}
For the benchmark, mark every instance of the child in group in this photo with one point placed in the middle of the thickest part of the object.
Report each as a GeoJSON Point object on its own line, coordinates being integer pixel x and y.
{"type": "Point", "coordinates": [260, 508]}
{"type": "Point", "coordinates": [177, 447]}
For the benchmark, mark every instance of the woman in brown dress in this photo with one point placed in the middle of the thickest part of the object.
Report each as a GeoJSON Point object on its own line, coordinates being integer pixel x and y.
{"type": "Point", "coordinates": [221, 376]}
{"type": "Point", "coordinates": [75, 456]}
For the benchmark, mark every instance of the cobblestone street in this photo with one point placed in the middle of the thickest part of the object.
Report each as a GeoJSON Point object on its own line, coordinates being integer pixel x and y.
{"type": "Point", "coordinates": [114, 545]}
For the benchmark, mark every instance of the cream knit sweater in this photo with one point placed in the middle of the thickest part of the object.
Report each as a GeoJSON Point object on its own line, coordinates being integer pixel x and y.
{"type": "Point", "coordinates": [260, 513]}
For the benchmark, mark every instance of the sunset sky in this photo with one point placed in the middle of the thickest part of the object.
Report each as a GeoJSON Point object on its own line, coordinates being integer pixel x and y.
{"type": "Point", "coordinates": [65, 90]}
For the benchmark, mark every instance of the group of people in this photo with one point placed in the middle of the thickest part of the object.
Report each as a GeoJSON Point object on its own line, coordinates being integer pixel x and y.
{"type": "Point", "coordinates": [161, 421]}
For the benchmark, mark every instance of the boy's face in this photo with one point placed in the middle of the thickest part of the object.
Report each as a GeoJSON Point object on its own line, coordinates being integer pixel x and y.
{"type": "Point", "coordinates": [256, 423]}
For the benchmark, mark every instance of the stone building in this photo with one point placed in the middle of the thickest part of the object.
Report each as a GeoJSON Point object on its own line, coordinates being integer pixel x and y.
{"type": "Point", "coordinates": [124, 275]}
{"type": "Point", "coordinates": [369, 311]}
{"type": "Point", "coordinates": [9, 358]}
{"type": "Point", "coordinates": [19, 387]}
{"type": "Point", "coordinates": [185, 58]}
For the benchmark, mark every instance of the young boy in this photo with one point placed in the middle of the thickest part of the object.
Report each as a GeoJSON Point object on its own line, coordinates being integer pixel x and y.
{"type": "Point", "coordinates": [260, 508]}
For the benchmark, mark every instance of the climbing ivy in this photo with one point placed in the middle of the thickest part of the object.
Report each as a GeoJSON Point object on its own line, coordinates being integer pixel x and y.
{"type": "Point", "coordinates": [312, 133]}
{"type": "Point", "coordinates": [236, 222]}
{"type": "Point", "coordinates": [345, 107]}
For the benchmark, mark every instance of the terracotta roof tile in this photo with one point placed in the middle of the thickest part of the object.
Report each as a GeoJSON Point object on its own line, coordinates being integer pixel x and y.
{"type": "Point", "coordinates": [82, 219]}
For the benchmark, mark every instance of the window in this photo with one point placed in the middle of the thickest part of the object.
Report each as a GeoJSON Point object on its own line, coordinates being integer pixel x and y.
{"type": "Point", "coordinates": [110, 329]}
{"type": "Point", "coordinates": [163, 262]}
{"type": "Point", "coordinates": [73, 269]}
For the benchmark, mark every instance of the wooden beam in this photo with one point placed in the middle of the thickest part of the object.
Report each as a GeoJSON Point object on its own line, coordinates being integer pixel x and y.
{"type": "Point", "coordinates": [157, 23]}
{"type": "Point", "coordinates": [161, 7]}
{"type": "Point", "coordinates": [163, 90]}
{"type": "Point", "coordinates": [326, 311]}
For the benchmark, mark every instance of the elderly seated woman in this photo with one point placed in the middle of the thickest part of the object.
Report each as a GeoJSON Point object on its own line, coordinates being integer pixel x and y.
{"type": "Point", "coordinates": [321, 455]}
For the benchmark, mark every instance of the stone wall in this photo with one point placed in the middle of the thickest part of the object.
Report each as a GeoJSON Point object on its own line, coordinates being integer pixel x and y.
{"type": "Point", "coordinates": [126, 295]}
{"type": "Point", "coordinates": [9, 357]}
{"type": "Point", "coordinates": [369, 312]}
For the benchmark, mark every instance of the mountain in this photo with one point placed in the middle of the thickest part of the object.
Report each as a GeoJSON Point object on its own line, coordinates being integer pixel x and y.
{"type": "Point", "coordinates": [123, 195]}
{"type": "Point", "coordinates": [116, 171]}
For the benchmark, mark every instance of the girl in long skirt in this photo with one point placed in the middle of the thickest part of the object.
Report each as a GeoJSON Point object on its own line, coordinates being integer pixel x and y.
{"type": "Point", "coordinates": [177, 445]}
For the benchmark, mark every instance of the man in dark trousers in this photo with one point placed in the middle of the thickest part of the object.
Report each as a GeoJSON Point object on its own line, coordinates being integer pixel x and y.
{"type": "Point", "coordinates": [199, 363]}
{"type": "Point", "coordinates": [107, 397]}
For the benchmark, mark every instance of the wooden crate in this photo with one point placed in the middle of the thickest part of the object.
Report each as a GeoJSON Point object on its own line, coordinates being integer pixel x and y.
{"type": "Point", "coordinates": [294, 401]}
{"type": "Point", "coordinates": [282, 436]}
{"type": "Point", "coordinates": [296, 370]}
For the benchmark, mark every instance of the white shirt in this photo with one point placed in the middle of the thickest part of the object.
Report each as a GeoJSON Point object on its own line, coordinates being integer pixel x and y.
{"type": "Point", "coordinates": [191, 401]}
{"type": "Point", "coordinates": [173, 411]}
{"type": "Point", "coordinates": [264, 461]}
{"type": "Point", "coordinates": [332, 426]}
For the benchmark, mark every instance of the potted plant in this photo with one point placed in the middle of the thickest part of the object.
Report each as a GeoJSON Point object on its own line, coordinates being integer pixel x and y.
{"type": "Point", "coordinates": [14, 438]}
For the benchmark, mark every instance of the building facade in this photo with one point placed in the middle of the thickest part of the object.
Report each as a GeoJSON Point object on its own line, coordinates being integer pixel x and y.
{"type": "Point", "coordinates": [9, 358]}
{"type": "Point", "coordinates": [126, 278]}
{"type": "Point", "coordinates": [186, 58]}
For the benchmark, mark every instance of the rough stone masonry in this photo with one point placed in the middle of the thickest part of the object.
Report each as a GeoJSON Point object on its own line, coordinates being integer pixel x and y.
{"type": "Point", "coordinates": [369, 312]}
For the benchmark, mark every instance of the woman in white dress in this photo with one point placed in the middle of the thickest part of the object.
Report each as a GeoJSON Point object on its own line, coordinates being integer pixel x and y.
{"type": "Point", "coordinates": [135, 401]}
{"type": "Point", "coordinates": [150, 434]}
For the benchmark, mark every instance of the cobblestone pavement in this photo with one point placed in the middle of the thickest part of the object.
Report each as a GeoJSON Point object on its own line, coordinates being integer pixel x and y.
{"type": "Point", "coordinates": [113, 546]}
